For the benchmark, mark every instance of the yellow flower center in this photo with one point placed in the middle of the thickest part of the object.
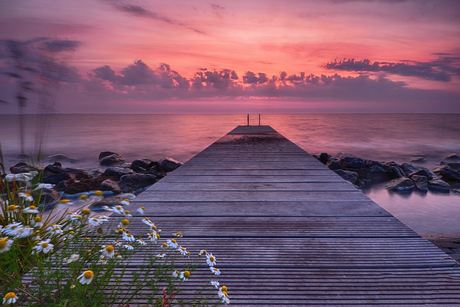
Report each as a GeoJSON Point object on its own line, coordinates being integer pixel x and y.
{"type": "Point", "coordinates": [14, 227]}
{"type": "Point", "coordinates": [87, 239]}
{"type": "Point", "coordinates": [224, 289]}
{"type": "Point", "coordinates": [129, 235]}
{"type": "Point", "coordinates": [215, 270]}
{"type": "Point", "coordinates": [45, 245]}
{"type": "Point", "coordinates": [11, 207]}
{"type": "Point", "coordinates": [212, 259]}
{"type": "Point", "coordinates": [154, 227]}
{"type": "Point", "coordinates": [88, 274]}
{"type": "Point", "coordinates": [71, 232]}
{"type": "Point", "coordinates": [179, 234]}
{"type": "Point", "coordinates": [158, 236]}
{"type": "Point", "coordinates": [225, 293]}
{"type": "Point", "coordinates": [88, 252]}
{"type": "Point", "coordinates": [186, 274]}
{"type": "Point", "coordinates": [83, 197]}
{"type": "Point", "coordinates": [125, 222]}
{"type": "Point", "coordinates": [38, 219]}
{"type": "Point", "coordinates": [3, 243]}
{"type": "Point", "coordinates": [98, 193]}
{"type": "Point", "coordinates": [109, 248]}
{"type": "Point", "coordinates": [95, 220]}
{"type": "Point", "coordinates": [143, 208]}
{"type": "Point", "coordinates": [69, 213]}
{"type": "Point", "coordinates": [85, 211]}
{"type": "Point", "coordinates": [126, 212]}
{"type": "Point", "coordinates": [164, 245]}
{"type": "Point", "coordinates": [32, 207]}
{"type": "Point", "coordinates": [173, 241]}
{"type": "Point", "coordinates": [204, 251]}
{"type": "Point", "coordinates": [64, 201]}
{"type": "Point", "coordinates": [10, 295]}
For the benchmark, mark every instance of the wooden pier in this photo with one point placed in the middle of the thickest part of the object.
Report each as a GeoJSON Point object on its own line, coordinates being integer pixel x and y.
{"type": "Point", "coordinates": [288, 231]}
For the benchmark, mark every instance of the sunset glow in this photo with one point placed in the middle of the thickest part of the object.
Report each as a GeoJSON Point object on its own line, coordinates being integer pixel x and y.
{"type": "Point", "coordinates": [243, 56]}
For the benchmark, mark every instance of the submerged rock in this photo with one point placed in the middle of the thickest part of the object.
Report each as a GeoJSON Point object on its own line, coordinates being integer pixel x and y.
{"type": "Point", "coordinates": [348, 175]}
{"type": "Point", "coordinates": [20, 167]}
{"type": "Point", "coordinates": [117, 172]}
{"type": "Point", "coordinates": [134, 182]}
{"type": "Point", "coordinates": [169, 164]}
{"type": "Point", "coordinates": [110, 158]}
{"type": "Point", "coordinates": [437, 185]}
{"type": "Point", "coordinates": [402, 184]}
{"type": "Point", "coordinates": [110, 185]}
{"type": "Point", "coordinates": [421, 182]}
{"type": "Point", "coordinates": [452, 156]}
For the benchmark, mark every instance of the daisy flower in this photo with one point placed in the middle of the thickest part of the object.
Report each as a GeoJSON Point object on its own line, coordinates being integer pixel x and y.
{"type": "Point", "coordinates": [10, 298]}
{"type": "Point", "coordinates": [128, 246]}
{"type": "Point", "coordinates": [175, 274]}
{"type": "Point", "coordinates": [177, 234]}
{"type": "Point", "coordinates": [172, 243]}
{"type": "Point", "coordinates": [224, 297]}
{"type": "Point", "coordinates": [103, 218]}
{"type": "Point", "coordinates": [182, 250]}
{"type": "Point", "coordinates": [26, 197]}
{"type": "Point", "coordinates": [55, 229]}
{"type": "Point", "coordinates": [125, 202]}
{"type": "Point", "coordinates": [210, 259]}
{"type": "Point", "coordinates": [123, 223]}
{"type": "Point", "coordinates": [160, 255]}
{"type": "Point", "coordinates": [86, 277]}
{"type": "Point", "coordinates": [128, 237]}
{"type": "Point", "coordinates": [30, 209]}
{"type": "Point", "coordinates": [141, 210]}
{"type": "Point", "coordinates": [43, 186]}
{"type": "Point", "coordinates": [43, 246]}
{"type": "Point", "coordinates": [98, 193]}
{"type": "Point", "coordinates": [118, 210]}
{"type": "Point", "coordinates": [153, 236]}
{"type": "Point", "coordinates": [147, 222]}
{"type": "Point", "coordinates": [37, 221]}
{"type": "Point", "coordinates": [5, 244]}
{"type": "Point", "coordinates": [202, 252]}
{"type": "Point", "coordinates": [127, 213]}
{"type": "Point", "coordinates": [12, 208]}
{"type": "Point", "coordinates": [215, 271]}
{"type": "Point", "coordinates": [140, 241]}
{"type": "Point", "coordinates": [215, 284]}
{"type": "Point", "coordinates": [12, 229]}
{"type": "Point", "coordinates": [94, 222]}
{"type": "Point", "coordinates": [25, 232]}
{"type": "Point", "coordinates": [184, 275]}
{"type": "Point", "coordinates": [72, 258]}
{"type": "Point", "coordinates": [108, 251]}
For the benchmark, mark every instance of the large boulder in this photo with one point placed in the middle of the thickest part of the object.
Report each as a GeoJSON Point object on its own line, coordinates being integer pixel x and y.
{"type": "Point", "coordinates": [110, 185]}
{"type": "Point", "coordinates": [452, 156]}
{"type": "Point", "coordinates": [142, 165]}
{"type": "Point", "coordinates": [117, 172]}
{"type": "Point", "coordinates": [402, 184]}
{"type": "Point", "coordinates": [421, 182]}
{"type": "Point", "coordinates": [348, 175]}
{"type": "Point", "coordinates": [86, 185]}
{"type": "Point", "coordinates": [324, 157]}
{"type": "Point", "coordinates": [394, 171]}
{"type": "Point", "coordinates": [333, 164]}
{"type": "Point", "coordinates": [438, 185]}
{"type": "Point", "coordinates": [408, 168]}
{"type": "Point", "coordinates": [169, 164]}
{"type": "Point", "coordinates": [78, 173]}
{"type": "Point", "coordinates": [353, 162]}
{"type": "Point", "coordinates": [447, 173]}
{"type": "Point", "coordinates": [110, 158]}
{"type": "Point", "coordinates": [46, 195]}
{"type": "Point", "coordinates": [376, 174]}
{"type": "Point", "coordinates": [423, 172]}
{"type": "Point", "coordinates": [134, 182]}
{"type": "Point", "coordinates": [20, 167]}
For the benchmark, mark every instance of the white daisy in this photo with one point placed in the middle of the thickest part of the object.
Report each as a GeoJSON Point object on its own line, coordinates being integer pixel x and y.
{"type": "Point", "coordinates": [224, 297]}
{"type": "Point", "coordinates": [184, 275]}
{"type": "Point", "coordinates": [94, 222]}
{"type": "Point", "coordinates": [10, 298]}
{"type": "Point", "coordinates": [215, 271]}
{"type": "Point", "coordinates": [55, 229]}
{"type": "Point", "coordinates": [128, 237]}
{"type": "Point", "coordinates": [210, 259]}
{"type": "Point", "coordinates": [215, 283]}
{"type": "Point", "coordinates": [182, 250]}
{"type": "Point", "coordinates": [25, 232]}
{"type": "Point", "coordinates": [118, 210]}
{"type": "Point", "coordinates": [5, 244]}
{"type": "Point", "coordinates": [175, 274]}
{"type": "Point", "coordinates": [30, 209]}
{"type": "Point", "coordinates": [127, 213]}
{"type": "Point", "coordinates": [125, 202]}
{"type": "Point", "coordinates": [160, 255]}
{"type": "Point", "coordinates": [140, 241]}
{"type": "Point", "coordinates": [72, 258]}
{"type": "Point", "coordinates": [153, 236]}
{"type": "Point", "coordinates": [141, 210]}
{"type": "Point", "coordinates": [44, 186]}
{"type": "Point", "coordinates": [108, 251]}
{"type": "Point", "coordinates": [103, 218]}
{"type": "Point", "coordinates": [177, 234]}
{"type": "Point", "coordinates": [172, 243]}
{"type": "Point", "coordinates": [86, 277]}
{"type": "Point", "coordinates": [147, 222]}
{"type": "Point", "coordinates": [128, 246]}
{"type": "Point", "coordinates": [26, 197]}
{"type": "Point", "coordinates": [43, 246]}
{"type": "Point", "coordinates": [12, 229]}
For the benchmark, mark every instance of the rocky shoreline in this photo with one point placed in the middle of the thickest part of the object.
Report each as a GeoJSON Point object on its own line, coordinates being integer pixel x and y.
{"type": "Point", "coordinates": [114, 177]}
{"type": "Point", "coordinates": [401, 178]}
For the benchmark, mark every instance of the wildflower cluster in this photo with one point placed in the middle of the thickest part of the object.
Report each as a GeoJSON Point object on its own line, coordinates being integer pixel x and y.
{"type": "Point", "coordinates": [64, 257]}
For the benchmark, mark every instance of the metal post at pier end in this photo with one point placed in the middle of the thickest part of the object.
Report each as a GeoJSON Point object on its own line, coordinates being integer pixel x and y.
{"type": "Point", "coordinates": [248, 119]}
{"type": "Point", "coordinates": [259, 119]}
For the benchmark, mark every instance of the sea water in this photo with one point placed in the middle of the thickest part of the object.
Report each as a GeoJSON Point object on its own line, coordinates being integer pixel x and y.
{"type": "Point", "coordinates": [382, 137]}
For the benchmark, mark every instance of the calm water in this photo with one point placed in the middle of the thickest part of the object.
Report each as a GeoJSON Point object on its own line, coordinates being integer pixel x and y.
{"type": "Point", "coordinates": [383, 137]}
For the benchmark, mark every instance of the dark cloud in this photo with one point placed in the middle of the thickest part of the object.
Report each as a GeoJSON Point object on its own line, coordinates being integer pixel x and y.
{"type": "Point", "coordinates": [252, 78]}
{"type": "Point", "coordinates": [438, 70]}
{"type": "Point", "coordinates": [140, 11]}
{"type": "Point", "coordinates": [59, 45]}
{"type": "Point", "coordinates": [222, 79]}
{"type": "Point", "coordinates": [218, 10]}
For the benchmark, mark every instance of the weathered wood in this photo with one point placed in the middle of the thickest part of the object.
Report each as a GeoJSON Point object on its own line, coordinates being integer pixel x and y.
{"type": "Point", "coordinates": [288, 231]}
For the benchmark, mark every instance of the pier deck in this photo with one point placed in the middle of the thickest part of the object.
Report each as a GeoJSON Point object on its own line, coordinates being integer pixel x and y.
{"type": "Point", "coordinates": [286, 230]}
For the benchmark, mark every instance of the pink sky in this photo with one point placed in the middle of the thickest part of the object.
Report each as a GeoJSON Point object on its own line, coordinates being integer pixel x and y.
{"type": "Point", "coordinates": [241, 56]}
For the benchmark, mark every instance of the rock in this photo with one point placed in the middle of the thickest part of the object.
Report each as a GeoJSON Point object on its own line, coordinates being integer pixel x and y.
{"type": "Point", "coordinates": [453, 165]}
{"type": "Point", "coordinates": [117, 172]}
{"type": "Point", "coordinates": [56, 178]}
{"type": "Point", "coordinates": [370, 163]}
{"type": "Point", "coordinates": [157, 172]}
{"type": "Point", "coordinates": [352, 162]}
{"type": "Point", "coordinates": [417, 159]}
{"type": "Point", "coordinates": [59, 157]}
{"type": "Point", "coordinates": [421, 182]}
{"type": "Point", "coordinates": [134, 182]}
{"type": "Point", "coordinates": [348, 176]}
{"type": "Point", "coordinates": [452, 156]}
{"type": "Point", "coordinates": [448, 174]}
{"type": "Point", "coordinates": [53, 170]}
{"type": "Point", "coordinates": [169, 164]}
{"type": "Point", "coordinates": [144, 163]}
{"type": "Point", "coordinates": [401, 184]}
{"type": "Point", "coordinates": [423, 172]}
{"type": "Point", "coordinates": [63, 185]}
{"type": "Point", "coordinates": [408, 168]}
{"type": "Point", "coordinates": [47, 195]}
{"type": "Point", "coordinates": [86, 185]}
{"type": "Point", "coordinates": [437, 185]}
{"type": "Point", "coordinates": [456, 191]}
{"type": "Point", "coordinates": [20, 167]}
{"type": "Point", "coordinates": [78, 173]}
{"type": "Point", "coordinates": [324, 157]}
{"type": "Point", "coordinates": [376, 174]}
{"type": "Point", "coordinates": [394, 171]}
{"type": "Point", "coordinates": [333, 164]}
{"type": "Point", "coordinates": [110, 185]}
{"type": "Point", "coordinates": [110, 158]}
{"type": "Point", "coordinates": [59, 164]}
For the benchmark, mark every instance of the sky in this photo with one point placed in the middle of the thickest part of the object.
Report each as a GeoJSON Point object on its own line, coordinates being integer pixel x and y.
{"type": "Point", "coordinates": [291, 56]}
